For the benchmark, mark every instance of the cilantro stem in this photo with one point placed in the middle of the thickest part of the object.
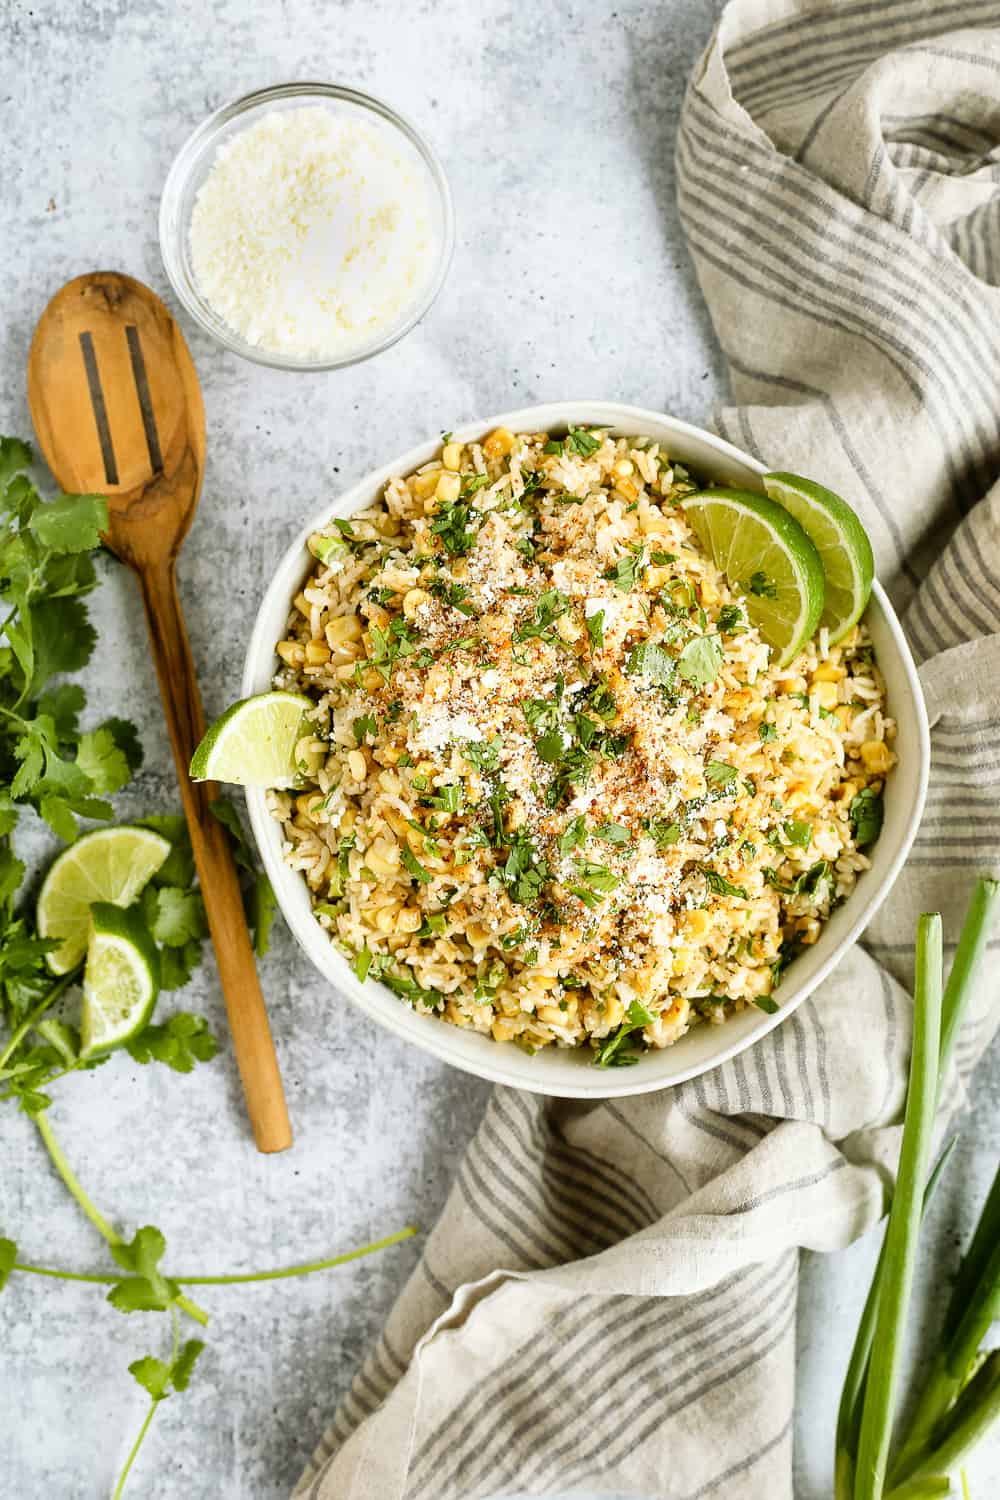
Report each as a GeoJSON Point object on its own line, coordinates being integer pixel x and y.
{"type": "Point", "coordinates": [175, 1343]}
{"type": "Point", "coordinates": [900, 1251]}
{"type": "Point", "coordinates": [49, 998]}
{"type": "Point", "coordinates": [306, 1269]}
{"type": "Point", "coordinates": [134, 1453]}
{"type": "Point", "coordinates": [96, 1276]}
{"type": "Point", "coordinates": [100, 1223]}
{"type": "Point", "coordinates": [99, 1278]}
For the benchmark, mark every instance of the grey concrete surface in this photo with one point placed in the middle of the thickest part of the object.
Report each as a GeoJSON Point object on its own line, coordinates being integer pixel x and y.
{"type": "Point", "coordinates": [555, 122]}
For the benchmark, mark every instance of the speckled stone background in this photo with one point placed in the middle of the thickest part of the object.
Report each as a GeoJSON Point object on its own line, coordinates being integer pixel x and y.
{"type": "Point", "coordinates": [556, 123]}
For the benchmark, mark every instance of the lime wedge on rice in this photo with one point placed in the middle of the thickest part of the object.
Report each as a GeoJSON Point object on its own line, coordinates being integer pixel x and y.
{"type": "Point", "coordinates": [111, 864]}
{"type": "Point", "coordinates": [841, 541]}
{"type": "Point", "coordinates": [121, 979]}
{"type": "Point", "coordinates": [765, 552]}
{"type": "Point", "coordinates": [258, 742]}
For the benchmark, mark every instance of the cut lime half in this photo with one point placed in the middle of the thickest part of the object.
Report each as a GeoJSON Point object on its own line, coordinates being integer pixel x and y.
{"type": "Point", "coordinates": [121, 979]}
{"type": "Point", "coordinates": [765, 552]}
{"type": "Point", "coordinates": [263, 741]}
{"type": "Point", "coordinates": [841, 541]}
{"type": "Point", "coordinates": [111, 864]}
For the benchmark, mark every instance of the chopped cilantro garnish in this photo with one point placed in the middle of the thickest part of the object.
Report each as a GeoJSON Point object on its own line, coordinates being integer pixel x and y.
{"type": "Point", "coordinates": [762, 586]}
{"type": "Point", "coordinates": [609, 1053]}
{"type": "Point", "coordinates": [731, 620]}
{"type": "Point", "coordinates": [597, 877]}
{"type": "Point", "coordinates": [549, 607]}
{"type": "Point", "coordinates": [450, 526]}
{"type": "Point", "coordinates": [582, 442]}
{"type": "Point", "coordinates": [483, 754]}
{"type": "Point", "coordinates": [700, 660]}
{"type": "Point", "coordinates": [550, 747]}
{"type": "Point", "coordinates": [553, 446]}
{"type": "Point", "coordinates": [719, 774]}
{"type": "Point", "coordinates": [661, 832]}
{"type": "Point", "coordinates": [449, 798]}
{"type": "Point", "coordinates": [389, 646]}
{"type": "Point", "coordinates": [586, 728]}
{"type": "Point", "coordinates": [766, 732]}
{"type": "Point", "coordinates": [867, 813]}
{"type": "Point", "coordinates": [720, 885]}
{"type": "Point", "coordinates": [473, 482]}
{"type": "Point", "coordinates": [612, 833]}
{"type": "Point", "coordinates": [798, 833]}
{"type": "Point", "coordinates": [363, 726]}
{"type": "Point", "coordinates": [652, 662]}
{"type": "Point", "coordinates": [574, 834]}
{"type": "Point", "coordinates": [595, 629]}
{"type": "Point", "coordinates": [412, 863]}
{"type": "Point", "coordinates": [600, 700]}
{"type": "Point", "coordinates": [663, 559]}
{"type": "Point", "coordinates": [766, 1004]}
{"type": "Point", "coordinates": [454, 594]}
{"type": "Point", "coordinates": [623, 574]}
{"type": "Point", "coordinates": [524, 873]}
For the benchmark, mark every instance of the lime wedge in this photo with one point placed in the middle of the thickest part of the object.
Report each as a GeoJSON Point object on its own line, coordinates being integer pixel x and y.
{"type": "Point", "coordinates": [763, 551]}
{"type": "Point", "coordinates": [258, 742]}
{"type": "Point", "coordinates": [121, 979]}
{"type": "Point", "coordinates": [841, 541]}
{"type": "Point", "coordinates": [112, 864]}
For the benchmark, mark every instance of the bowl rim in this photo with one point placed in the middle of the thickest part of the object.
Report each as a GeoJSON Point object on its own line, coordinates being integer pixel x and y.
{"type": "Point", "coordinates": [171, 228]}
{"type": "Point", "coordinates": [446, 1042]}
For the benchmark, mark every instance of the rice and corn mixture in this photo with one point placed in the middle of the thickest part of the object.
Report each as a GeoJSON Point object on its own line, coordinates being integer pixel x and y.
{"type": "Point", "coordinates": [564, 798]}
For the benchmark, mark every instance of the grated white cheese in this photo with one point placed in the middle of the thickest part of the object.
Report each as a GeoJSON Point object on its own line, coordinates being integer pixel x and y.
{"type": "Point", "coordinates": [313, 231]}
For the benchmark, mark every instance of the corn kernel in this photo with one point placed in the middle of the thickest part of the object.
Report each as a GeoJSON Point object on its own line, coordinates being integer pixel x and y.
{"type": "Point", "coordinates": [682, 961]}
{"type": "Point", "coordinates": [343, 628]}
{"type": "Point", "coordinates": [845, 713]}
{"type": "Point", "coordinates": [302, 605]}
{"type": "Point", "coordinates": [551, 1015]}
{"type": "Point", "coordinates": [624, 467]}
{"type": "Point", "coordinates": [307, 802]}
{"type": "Point", "coordinates": [357, 765]}
{"type": "Point", "coordinates": [448, 488]}
{"type": "Point", "coordinates": [876, 756]}
{"type": "Point", "coordinates": [708, 592]}
{"type": "Point", "coordinates": [291, 652]}
{"type": "Point", "coordinates": [317, 653]}
{"type": "Point", "coordinates": [502, 1030]}
{"type": "Point", "coordinates": [414, 600]}
{"type": "Point", "coordinates": [827, 672]}
{"type": "Point", "coordinates": [696, 924]}
{"type": "Point", "coordinates": [627, 489]}
{"type": "Point", "coordinates": [567, 629]}
{"type": "Point", "coordinates": [345, 671]}
{"type": "Point", "coordinates": [408, 920]}
{"type": "Point", "coordinates": [451, 456]}
{"type": "Point", "coordinates": [499, 443]}
{"type": "Point", "coordinates": [846, 791]}
{"type": "Point", "coordinates": [826, 694]}
{"type": "Point", "coordinates": [424, 485]}
{"type": "Point", "coordinates": [385, 920]}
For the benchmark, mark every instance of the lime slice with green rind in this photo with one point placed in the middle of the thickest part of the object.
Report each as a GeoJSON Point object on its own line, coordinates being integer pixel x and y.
{"type": "Point", "coordinates": [121, 979]}
{"type": "Point", "coordinates": [259, 742]}
{"type": "Point", "coordinates": [111, 864]}
{"type": "Point", "coordinates": [764, 552]}
{"type": "Point", "coordinates": [841, 541]}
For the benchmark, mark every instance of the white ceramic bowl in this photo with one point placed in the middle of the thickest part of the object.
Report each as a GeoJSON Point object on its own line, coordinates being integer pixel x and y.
{"type": "Point", "coordinates": [566, 1073]}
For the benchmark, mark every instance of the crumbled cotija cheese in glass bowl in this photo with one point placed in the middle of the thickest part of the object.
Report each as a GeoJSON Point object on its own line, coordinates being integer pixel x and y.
{"type": "Point", "coordinates": [306, 226]}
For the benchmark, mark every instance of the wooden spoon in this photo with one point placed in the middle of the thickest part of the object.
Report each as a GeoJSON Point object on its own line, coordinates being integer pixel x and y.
{"type": "Point", "coordinates": [118, 411]}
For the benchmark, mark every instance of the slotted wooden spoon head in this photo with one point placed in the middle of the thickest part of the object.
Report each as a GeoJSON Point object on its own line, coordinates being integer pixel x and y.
{"type": "Point", "coordinates": [117, 409]}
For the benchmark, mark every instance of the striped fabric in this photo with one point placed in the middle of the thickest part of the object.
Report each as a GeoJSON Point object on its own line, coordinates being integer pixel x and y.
{"type": "Point", "coordinates": [608, 1301]}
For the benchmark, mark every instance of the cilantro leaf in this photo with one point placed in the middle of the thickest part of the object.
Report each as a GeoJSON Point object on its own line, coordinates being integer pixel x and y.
{"type": "Point", "coordinates": [8, 1255]}
{"type": "Point", "coordinates": [412, 863]}
{"type": "Point", "coordinates": [73, 523]}
{"type": "Point", "coordinates": [762, 586]}
{"type": "Point", "coordinates": [152, 1374]}
{"type": "Point", "coordinates": [612, 833]}
{"type": "Point", "coordinates": [700, 660]}
{"type": "Point", "coordinates": [483, 754]}
{"type": "Point", "coordinates": [661, 832]}
{"type": "Point", "coordinates": [102, 760]}
{"type": "Point", "coordinates": [175, 917]}
{"type": "Point", "coordinates": [582, 442]}
{"type": "Point", "coordinates": [720, 885]}
{"type": "Point", "coordinates": [178, 1043]}
{"type": "Point", "coordinates": [719, 774]}
{"type": "Point", "coordinates": [595, 629]}
{"type": "Point", "coordinates": [798, 832]}
{"type": "Point", "coordinates": [867, 814]}
{"type": "Point", "coordinates": [652, 662]}
{"type": "Point", "coordinates": [609, 1053]}
{"type": "Point", "coordinates": [574, 834]}
{"type": "Point", "coordinates": [62, 638]}
{"type": "Point", "coordinates": [766, 733]}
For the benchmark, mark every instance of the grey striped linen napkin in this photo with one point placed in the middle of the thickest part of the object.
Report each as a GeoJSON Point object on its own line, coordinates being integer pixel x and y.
{"type": "Point", "coordinates": [609, 1298]}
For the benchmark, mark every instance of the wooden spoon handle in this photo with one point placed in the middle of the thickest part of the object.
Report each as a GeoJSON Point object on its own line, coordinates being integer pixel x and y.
{"type": "Point", "coordinates": [252, 1040]}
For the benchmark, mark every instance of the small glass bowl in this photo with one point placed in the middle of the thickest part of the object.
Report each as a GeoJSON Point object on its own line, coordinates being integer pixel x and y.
{"type": "Point", "coordinates": [192, 165]}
